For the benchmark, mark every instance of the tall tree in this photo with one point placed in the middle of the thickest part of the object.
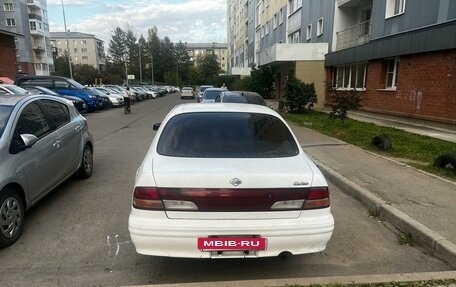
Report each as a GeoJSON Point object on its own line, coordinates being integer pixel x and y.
{"type": "Point", "coordinates": [61, 65]}
{"type": "Point", "coordinates": [117, 46]}
{"type": "Point", "coordinates": [183, 62]}
{"type": "Point", "coordinates": [153, 43]}
{"type": "Point", "coordinates": [167, 60]}
{"type": "Point", "coordinates": [209, 68]}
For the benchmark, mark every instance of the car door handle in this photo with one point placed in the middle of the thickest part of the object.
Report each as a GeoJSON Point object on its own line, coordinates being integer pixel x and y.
{"type": "Point", "coordinates": [78, 128]}
{"type": "Point", "coordinates": [56, 143]}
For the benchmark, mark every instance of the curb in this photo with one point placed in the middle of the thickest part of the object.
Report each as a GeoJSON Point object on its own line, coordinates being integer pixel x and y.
{"type": "Point", "coordinates": [340, 280]}
{"type": "Point", "coordinates": [432, 241]}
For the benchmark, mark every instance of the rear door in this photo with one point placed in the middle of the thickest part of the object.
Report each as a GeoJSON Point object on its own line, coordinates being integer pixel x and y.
{"type": "Point", "coordinates": [70, 131]}
{"type": "Point", "coordinates": [38, 163]}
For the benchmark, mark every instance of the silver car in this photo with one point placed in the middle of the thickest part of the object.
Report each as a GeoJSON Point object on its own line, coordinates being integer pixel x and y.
{"type": "Point", "coordinates": [43, 141]}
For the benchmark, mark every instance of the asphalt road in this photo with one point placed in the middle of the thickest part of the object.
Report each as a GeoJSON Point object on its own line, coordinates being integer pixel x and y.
{"type": "Point", "coordinates": [78, 236]}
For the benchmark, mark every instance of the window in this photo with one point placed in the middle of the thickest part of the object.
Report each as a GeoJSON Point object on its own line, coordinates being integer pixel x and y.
{"type": "Point", "coordinates": [274, 21]}
{"type": "Point", "coordinates": [75, 42]}
{"type": "Point", "coordinates": [266, 32]}
{"type": "Point", "coordinates": [84, 50]}
{"type": "Point", "coordinates": [280, 16]}
{"type": "Point", "coordinates": [32, 26]}
{"type": "Point", "coordinates": [75, 50]}
{"type": "Point", "coordinates": [32, 121]}
{"type": "Point", "coordinates": [320, 27]}
{"type": "Point", "coordinates": [351, 76]}
{"type": "Point", "coordinates": [394, 7]}
{"type": "Point", "coordinates": [294, 5]}
{"type": "Point", "coordinates": [58, 113]}
{"type": "Point", "coordinates": [391, 73]}
{"type": "Point", "coordinates": [309, 32]}
{"type": "Point", "coordinates": [85, 58]}
{"type": "Point", "coordinates": [10, 22]}
{"type": "Point", "coordinates": [83, 42]}
{"type": "Point", "coordinates": [8, 7]}
{"type": "Point", "coordinates": [294, 37]}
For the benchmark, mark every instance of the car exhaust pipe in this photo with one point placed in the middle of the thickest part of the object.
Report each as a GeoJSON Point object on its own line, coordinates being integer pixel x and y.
{"type": "Point", "coordinates": [284, 255]}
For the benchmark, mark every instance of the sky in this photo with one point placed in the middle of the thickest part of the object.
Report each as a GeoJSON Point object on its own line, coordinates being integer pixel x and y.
{"type": "Point", "coordinates": [193, 21]}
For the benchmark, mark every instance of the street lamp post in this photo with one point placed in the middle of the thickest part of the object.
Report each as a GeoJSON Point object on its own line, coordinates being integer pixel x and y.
{"type": "Point", "coordinates": [67, 41]}
{"type": "Point", "coordinates": [152, 67]}
{"type": "Point", "coordinates": [140, 65]}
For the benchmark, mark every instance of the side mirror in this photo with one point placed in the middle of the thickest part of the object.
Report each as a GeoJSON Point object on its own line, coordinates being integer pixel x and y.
{"type": "Point", "coordinates": [156, 126]}
{"type": "Point", "coordinates": [21, 143]}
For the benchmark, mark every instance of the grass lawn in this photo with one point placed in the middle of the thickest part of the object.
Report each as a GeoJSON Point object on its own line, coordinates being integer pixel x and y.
{"type": "Point", "coordinates": [416, 150]}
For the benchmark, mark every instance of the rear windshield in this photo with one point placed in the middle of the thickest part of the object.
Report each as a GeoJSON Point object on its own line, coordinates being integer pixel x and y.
{"type": "Point", "coordinates": [226, 135]}
{"type": "Point", "coordinates": [211, 94]}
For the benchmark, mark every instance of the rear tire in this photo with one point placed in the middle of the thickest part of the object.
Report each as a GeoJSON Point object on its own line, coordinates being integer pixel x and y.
{"type": "Point", "coordinates": [86, 168]}
{"type": "Point", "coordinates": [446, 160]}
{"type": "Point", "coordinates": [11, 217]}
{"type": "Point", "coordinates": [382, 142]}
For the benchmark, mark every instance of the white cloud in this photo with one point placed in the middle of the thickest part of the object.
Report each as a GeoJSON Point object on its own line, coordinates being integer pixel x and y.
{"type": "Point", "coordinates": [186, 21]}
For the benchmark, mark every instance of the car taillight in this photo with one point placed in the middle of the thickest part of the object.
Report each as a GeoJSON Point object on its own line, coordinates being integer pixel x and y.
{"type": "Point", "coordinates": [147, 198]}
{"type": "Point", "coordinates": [318, 198]}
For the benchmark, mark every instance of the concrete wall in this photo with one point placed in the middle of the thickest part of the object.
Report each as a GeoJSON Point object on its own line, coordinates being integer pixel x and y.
{"type": "Point", "coordinates": [313, 72]}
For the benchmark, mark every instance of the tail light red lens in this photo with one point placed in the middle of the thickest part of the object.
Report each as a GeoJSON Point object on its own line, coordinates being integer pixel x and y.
{"type": "Point", "coordinates": [224, 200]}
{"type": "Point", "coordinates": [318, 198]}
{"type": "Point", "coordinates": [147, 198]}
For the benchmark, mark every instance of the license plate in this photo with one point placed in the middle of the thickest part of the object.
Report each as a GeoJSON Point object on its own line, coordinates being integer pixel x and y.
{"type": "Point", "coordinates": [231, 243]}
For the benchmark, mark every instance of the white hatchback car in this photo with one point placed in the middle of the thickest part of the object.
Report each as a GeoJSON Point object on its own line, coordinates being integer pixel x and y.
{"type": "Point", "coordinates": [228, 181]}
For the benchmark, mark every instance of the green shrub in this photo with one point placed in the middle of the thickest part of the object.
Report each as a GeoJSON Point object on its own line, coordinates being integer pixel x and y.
{"type": "Point", "coordinates": [300, 96]}
{"type": "Point", "coordinates": [343, 101]}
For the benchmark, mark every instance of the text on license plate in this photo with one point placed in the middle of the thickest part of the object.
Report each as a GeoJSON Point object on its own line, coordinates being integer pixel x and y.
{"type": "Point", "coordinates": [231, 243]}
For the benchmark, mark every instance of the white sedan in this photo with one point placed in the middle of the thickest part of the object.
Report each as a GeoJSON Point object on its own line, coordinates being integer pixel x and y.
{"type": "Point", "coordinates": [228, 181]}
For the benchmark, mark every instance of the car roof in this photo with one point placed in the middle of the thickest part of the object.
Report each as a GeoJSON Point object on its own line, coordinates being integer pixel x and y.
{"type": "Point", "coordinates": [222, 107]}
{"type": "Point", "coordinates": [11, 100]}
{"type": "Point", "coordinates": [214, 89]}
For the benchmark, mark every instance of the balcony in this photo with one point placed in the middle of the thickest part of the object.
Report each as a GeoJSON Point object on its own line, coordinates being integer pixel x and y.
{"type": "Point", "coordinates": [35, 17]}
{"type": "Point", "coordinates": [349, 3]}
{"type": "Point", "coordinates": [33, 4]}
{"type": "Point", "coordinates": [353, 36]}
{"type": "Point", "coordinates": [38, 48]}
{"type": "Point", "coordinates": [281, 53]}
{"type": "Point", "coordinates": [37, 33]}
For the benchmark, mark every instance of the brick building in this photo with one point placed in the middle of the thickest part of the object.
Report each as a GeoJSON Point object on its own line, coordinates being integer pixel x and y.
{"type": "Point", "coordinates": [8, 67]}
{"type": "Point", "coordinates": [401, 55]}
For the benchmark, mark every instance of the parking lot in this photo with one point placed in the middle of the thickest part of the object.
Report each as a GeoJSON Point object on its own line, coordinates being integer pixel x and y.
{"type": "Point", "coordinates": [78, 235]}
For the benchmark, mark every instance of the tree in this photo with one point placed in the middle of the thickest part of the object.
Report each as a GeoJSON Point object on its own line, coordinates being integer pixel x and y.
{"type": "Point", "coordinates": [117, 46]}
{"type": "Point", "coordinates": [153, 43]}
{"type": "Point", "coordinates": [183, 62]}
{"type": "Point", "coordinates": [61, 65]}
{"type": "Point", "coordinates": [262, 80]}
{"type": "Point", "coordinates": [300, 96]}
{"type": "Point", "coordinates": [85, 74]}
{"type": "Point", "coordinates": [209, 68]}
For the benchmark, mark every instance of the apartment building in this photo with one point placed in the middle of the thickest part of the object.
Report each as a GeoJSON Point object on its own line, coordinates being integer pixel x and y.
{"type": "Point", "coordinates": [84, 48]}
{"type": "Point", "coordinates": [27, 20]}
{"type": "Point", "coordinates": [197, 50]}
{"type": "Point", "coordinates": [401, 55]}
{"type": "Point", "coordinates": [292, 36]}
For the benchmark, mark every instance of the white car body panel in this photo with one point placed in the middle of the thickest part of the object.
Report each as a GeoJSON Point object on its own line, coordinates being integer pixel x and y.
{"type": "Point", "coordinates": [175, 233]}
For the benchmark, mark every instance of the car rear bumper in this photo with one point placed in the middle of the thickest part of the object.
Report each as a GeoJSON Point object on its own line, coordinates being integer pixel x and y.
{"type": "Point", "coordinates": [154, 234]}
